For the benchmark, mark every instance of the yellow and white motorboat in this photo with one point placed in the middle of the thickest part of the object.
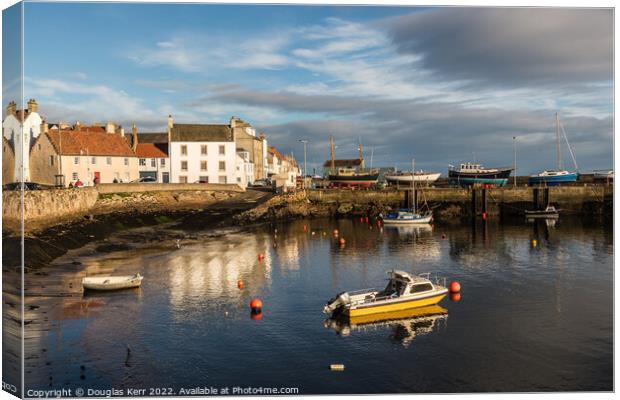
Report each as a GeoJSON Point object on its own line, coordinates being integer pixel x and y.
{"type": "Point", "coordinates": [403, 291]}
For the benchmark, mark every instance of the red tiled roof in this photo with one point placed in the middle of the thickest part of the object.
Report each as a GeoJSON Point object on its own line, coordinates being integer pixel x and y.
{"type": "Point", "coordinates": [93, 128]}
{"type": "Point", "coordinates": [91, 143]}
{"type": "Point", "coordinates": [150, 150]}
{"type": "Point", "coordinates": [274, 151]}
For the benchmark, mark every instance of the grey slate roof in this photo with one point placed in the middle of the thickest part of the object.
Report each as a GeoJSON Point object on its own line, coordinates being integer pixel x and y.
{"type": "Point", "coordinates": [201, 133]}
{"type": "Point", "coordinates": [155, 137]}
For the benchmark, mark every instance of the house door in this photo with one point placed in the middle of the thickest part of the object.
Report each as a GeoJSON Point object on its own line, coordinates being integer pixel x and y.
{"type": "Point", "coordinates": [97, 177]}
{"type": "Point", "coordinates": [165, 177]}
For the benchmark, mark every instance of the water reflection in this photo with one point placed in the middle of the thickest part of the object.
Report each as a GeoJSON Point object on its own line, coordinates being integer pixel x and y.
{"type": "Point", "coordinates": [405, 325]}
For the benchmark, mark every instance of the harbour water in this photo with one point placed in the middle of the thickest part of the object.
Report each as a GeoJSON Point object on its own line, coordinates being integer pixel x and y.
{"type": "Point", "coordinates": [531, 317]}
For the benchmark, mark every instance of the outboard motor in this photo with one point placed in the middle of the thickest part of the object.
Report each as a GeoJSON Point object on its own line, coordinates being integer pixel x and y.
{"type": "Point", "coordinates": [337, 302]}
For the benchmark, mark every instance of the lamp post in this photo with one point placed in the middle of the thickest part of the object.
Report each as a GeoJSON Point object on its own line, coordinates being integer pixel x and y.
{"type": "Point", "coordinates": [514, 145]}
{"type": "Point", "coordinates": [305, 142]}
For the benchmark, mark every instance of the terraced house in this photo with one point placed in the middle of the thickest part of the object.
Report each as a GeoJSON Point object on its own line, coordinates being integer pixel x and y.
{"type": "Point", "coordinates": [63, 155]}
{"type": "Point", "coordinates": [202, 153]}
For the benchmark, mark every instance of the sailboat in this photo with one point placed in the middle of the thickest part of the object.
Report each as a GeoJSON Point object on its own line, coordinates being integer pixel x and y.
{"type": "Point", "coordinates": [560, 175]}
{"type": "Point", "coordinates": [408, 216]}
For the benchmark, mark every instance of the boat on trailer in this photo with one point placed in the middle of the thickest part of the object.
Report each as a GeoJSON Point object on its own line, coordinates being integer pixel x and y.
{"type": "Point", "coordinates": [469, 174]}
{"type": "Point", "coordinates": [405, 177]}
{"type": "Point", "coordinates": [403, 291]}
{"type": "Point", "coordinates": [112, 282]}
{"type": "Point", "coordinates": [559, 175]}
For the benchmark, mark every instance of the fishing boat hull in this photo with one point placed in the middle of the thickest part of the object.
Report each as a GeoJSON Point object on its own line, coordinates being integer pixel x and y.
{"type": "Point", "coordinates": [412, 221]}
{"type": "Point", "coordinates": [496, 178]}
{"type": "Point", "coordinates": [541, 214]}
{"type": "Point", "coordinates": [406, 178]}
{"type": "Point", "coordinates": [359, 180]}
{"type": "Point", "coordinates": [109, 283]}
{"type": "Point", "coordinates": [395, 305]}
{"type": "Point", "coordinates": [553, 180]}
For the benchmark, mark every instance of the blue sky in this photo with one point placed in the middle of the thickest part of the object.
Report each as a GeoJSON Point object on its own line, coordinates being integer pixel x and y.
{"type": "Point", "coordinates": [440, 85]}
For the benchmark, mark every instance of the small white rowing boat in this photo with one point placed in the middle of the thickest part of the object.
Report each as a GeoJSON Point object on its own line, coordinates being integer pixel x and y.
{"type": "Point", "coordinates": [112, 282]}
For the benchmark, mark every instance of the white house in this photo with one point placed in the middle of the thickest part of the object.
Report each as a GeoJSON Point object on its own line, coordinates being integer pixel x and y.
{"type": "Point", "coordinates": [202, 153]}
{"type": "Point", "coordinates": [21, 128]}
{"type": "Point", "coordinates": [245, 168]}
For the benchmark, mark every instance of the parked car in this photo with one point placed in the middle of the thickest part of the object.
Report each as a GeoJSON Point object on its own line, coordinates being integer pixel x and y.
{"type": "Point", "coordinates": [18, 186]}
{"type": "Point", "coordinates": [266, 183]}
{"type": "Point", "coordinates": [145, 179]}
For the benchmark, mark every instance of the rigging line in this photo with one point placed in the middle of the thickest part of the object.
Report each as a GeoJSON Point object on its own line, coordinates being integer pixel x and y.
{"type": "Point", "coordinates": [570, 149]}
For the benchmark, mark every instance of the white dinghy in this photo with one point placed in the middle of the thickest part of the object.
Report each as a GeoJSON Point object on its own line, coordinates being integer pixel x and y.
{"type": "Point", "coordinates": [112, 282]}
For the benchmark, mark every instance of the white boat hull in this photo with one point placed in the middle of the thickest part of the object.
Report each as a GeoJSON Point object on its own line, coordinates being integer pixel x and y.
{"type": "Point", "coordinates": [428, 178]}
{"type": "Point", "coordinates": [112, 282]}
{"type": "Point", "coordinates": [423, 220]}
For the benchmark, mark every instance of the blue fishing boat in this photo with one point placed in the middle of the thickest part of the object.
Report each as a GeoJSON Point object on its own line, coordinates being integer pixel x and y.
{"type": "Point", "coordinates": [469, 174]}
{"type": "Point", "coordinates": [559, 175]}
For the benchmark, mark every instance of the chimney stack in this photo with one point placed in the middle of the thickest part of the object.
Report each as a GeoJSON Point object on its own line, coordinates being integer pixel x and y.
{"type": "Point", "coordinates": [32, 106]}
{"type": "Point", "coordinates": [11, 109]}
{"type": "Point", "coordinates": [121, 131]}
{"type": "Point", "coordinates": [44, 127]}
{"type": "Point", "coordinates": [78, 126]}
{"type": "Point", "coordinates": [134, 137]}
{"type": "Point", "coordinates": [110, 128]}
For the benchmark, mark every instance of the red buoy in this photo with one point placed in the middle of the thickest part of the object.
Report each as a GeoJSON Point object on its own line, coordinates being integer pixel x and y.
{"type": "Point", "coordinates": [342, 241]}
{"type": "Point", "coordinates": [240, 284]}
{"type": "Point", "coordinates": [455, 297]}
{"type": "Point", "coordinates": [335, 232]}
{"type": "Point", "coordinates": [261, 256]}
{"type": "Point", "coordinates": [455, 287]}
{"type": "Point", "coordinates": [484, 215]}
{"type": "Point", "coordinates": [256, 305]}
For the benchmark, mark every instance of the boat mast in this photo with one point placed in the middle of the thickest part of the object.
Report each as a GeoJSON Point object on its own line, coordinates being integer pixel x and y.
{"type": "Point", "coordinates": [413, 183]}
{"type": "Point", "coordinates": [333, 161]}
{"type": "Point", "coordinates": [361, 157]}
{"type": "Point", "coordinates": [557, 129]}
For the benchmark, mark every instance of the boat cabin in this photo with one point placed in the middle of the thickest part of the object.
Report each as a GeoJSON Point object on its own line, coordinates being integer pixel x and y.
{"type": "Point", "coordinates": [402, 283]}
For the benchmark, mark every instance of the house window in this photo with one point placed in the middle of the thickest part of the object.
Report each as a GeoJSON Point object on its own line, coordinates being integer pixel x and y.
{"type": "Point", "coordinates": [162, 162]}
{"type": "Point", "coordinates": [183, 165]}
{"type": "Point", "coordinates": [93, 160]}
{"type": "Point", "coordinates": [238, 179]}
{"type": "Point", "coordinates": [126, 161]}
{"type": "Point", "coordinates": [204, 179]}
{"type": "Point", "coordinates": [143, 162]}
{"type": "Point", "coordinates": [51, 160]}
{"type": "Point", "coordinates": [222, 179]}
{"type": "Point", "coordinates": [76, 160]}
{"type": "Point", "coordinates": [222, 165]}
{"type": "Point", "coordinates": [182, 179]}
{"type": "Point", "coordinates": [74, 176]}
{"type": "Point", "coordinates": [184, 150]}
{"type": "Point", "coordinates": [153, 162]}
{"type": "Point", "coordinates": [222, 150]}
{"type": "Point", "coordinates": [203, 165]}
{"type": "Point", "coordinates": [108, 160]}
{"type": "Point", "coordinates": [203, 149]}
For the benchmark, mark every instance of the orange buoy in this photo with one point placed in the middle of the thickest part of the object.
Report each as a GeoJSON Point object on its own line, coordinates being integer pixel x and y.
{"type": "Point", "coordinates": [256, 305]}
{"type": "Point", "coordinates": [256, 315]}
{"type": "Point", "coordinates": [240, 284]}
{"type": "Point", "coordinates": [455, 297]}
{"type": "Point", "coordinates": [454, 287]}
{"type": "Point", "coordinates": [534, 242]}
{"type": "Point", "coordinates": [342, 242]}
{"type": "Point", "coordinates": [261, 256]}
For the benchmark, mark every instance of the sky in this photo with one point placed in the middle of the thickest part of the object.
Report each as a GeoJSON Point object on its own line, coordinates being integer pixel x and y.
{"type": "Point", "coordinates": [441, 85]}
